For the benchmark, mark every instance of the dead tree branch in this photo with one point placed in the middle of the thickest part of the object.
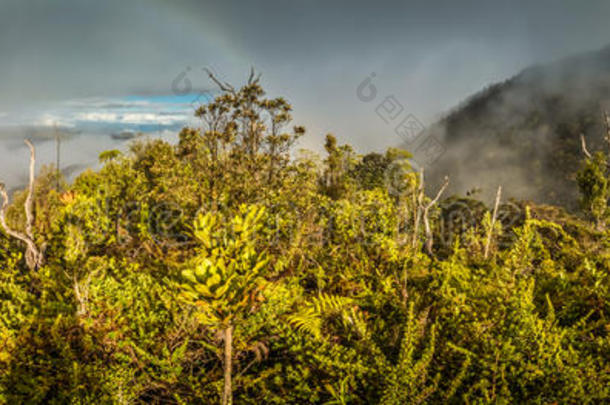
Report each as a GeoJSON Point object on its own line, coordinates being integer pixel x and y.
{"type": "Point", "coordinates": [33, 254]}
{"type": "Point", "coordinates": [493, 222]}
{"type": "Point", "coordinates": [29, 201]}
{"type": "Point", "coordinates": [429, 237]}
{"type": "Point", "coordinates": [588, 155]}
{"type": "Point", "coordinates": [419, 198]}
{"type": "Point", "coordinates": [607, 127]}
{"type": "Point", "coordinates": [253, 78]}
{"type": "Point", "coordinates": [583, 144]}
{"type": "Point", "coordinates": [224, 86]}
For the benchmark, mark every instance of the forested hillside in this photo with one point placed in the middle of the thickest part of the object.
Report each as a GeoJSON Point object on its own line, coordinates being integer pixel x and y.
{"type": "Point", "coordinates": [524, 132]}
{"type": "Point", "coordinates": [231, 268]}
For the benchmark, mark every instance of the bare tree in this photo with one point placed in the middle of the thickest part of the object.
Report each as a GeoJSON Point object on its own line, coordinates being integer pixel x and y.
{"type": "Point", "coordinates": [429, 237]}
{"type": "Point", "coordinates": [34, 256]}
{"type": "Point", "coordinates": [607, 131]}
{"type": "Point", "coordinates": [583, 145]}
{"type": "Point", "coordinates": [418, 203]}
{"type": "Point", "coordinates": [585, 151]}
{"type": "Point", "coordinates": [228, 88]}
{"type": "Point", "coordinates": [57, 156]}
{"type": "Point", "coordinates": [493, 222]}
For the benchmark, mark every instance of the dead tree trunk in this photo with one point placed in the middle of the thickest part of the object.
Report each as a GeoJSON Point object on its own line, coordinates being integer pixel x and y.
{"type": "Point", "coordinates": [33, 254]}
{"type": "Point", "coordinates": [419, 198]}
{"type": "Point", "coordinates": [429, 237]}
{"type": "Point", "coordinates": [607, 134]}
{"type": "Point", "coordinates": [493, 222]}
{"type": "Point", "coordinates": [583, 145]}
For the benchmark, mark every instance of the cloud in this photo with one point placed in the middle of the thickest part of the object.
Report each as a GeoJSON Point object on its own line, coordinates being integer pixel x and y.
{"type": "Point", "coordinates": [101, 112]}
{"type": "Point", "coordinates": [140, 118]}
{"type": "Point", "coordinates": [70, 59]}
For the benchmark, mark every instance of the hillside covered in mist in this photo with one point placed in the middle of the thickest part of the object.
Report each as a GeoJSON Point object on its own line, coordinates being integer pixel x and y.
{"type": "Point", "coordinates": [524, 133]}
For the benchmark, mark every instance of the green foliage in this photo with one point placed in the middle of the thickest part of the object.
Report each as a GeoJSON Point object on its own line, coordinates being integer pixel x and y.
{"type": "Point", "coordinates": [408, 381]}
{"type": "Point", "coordinates": [225, 278]}
{"type": "Point", "coordinates": [315, 265]}
{"type": "Point", "coordinates": [311, 315]}
{"type": "Point", "coordinates": [593, 184]}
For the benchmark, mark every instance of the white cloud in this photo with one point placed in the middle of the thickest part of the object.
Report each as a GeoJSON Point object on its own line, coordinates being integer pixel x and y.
{"type": "Point", "coordinates": [97, 117]}
{"type": "Point", "coordinates": [105, 114]}
{"type": "Point", "coordinates": [152, 118]}
{"type": "Point", "coordinates": [136, 118]}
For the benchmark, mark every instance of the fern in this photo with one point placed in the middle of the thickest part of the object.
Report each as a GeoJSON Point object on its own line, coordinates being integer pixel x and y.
{"type": "Point", "coordinates": [311, 317]}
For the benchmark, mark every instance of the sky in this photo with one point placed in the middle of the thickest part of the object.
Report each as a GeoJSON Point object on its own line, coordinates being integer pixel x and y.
{"type": "Point", "coordinates": [97, 68]}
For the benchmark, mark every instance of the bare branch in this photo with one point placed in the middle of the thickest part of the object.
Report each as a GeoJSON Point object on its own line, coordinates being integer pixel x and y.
{"type": "Point", "coordinates": [440, 192]}
{"type": "Point", "coordinates": [419, 198]}
{"type": "Point", "coordinates": [583, 144]}
{"type": "Point", "coordinates": [607, 127]}
{"type": "Point", "coordinates": [33, 255]}
{"type": "Point", "coordinates": [28, 206]}
{"type": "Point", "coordinates": [253, 78]}
{"type": "Point", "coordinates": [493, 222]}
{"type": "Point", "coordinates": [224, 86]}
{"type": "Point", "coordinates": [429, 237]}
{"type": "Point", "coordinates": [586, 152]}
{"type": "Point", "coordinates": [11, 232]}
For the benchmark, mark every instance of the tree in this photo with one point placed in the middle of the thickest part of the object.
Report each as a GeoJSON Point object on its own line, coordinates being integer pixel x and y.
{"type": "Point", "coordinates": [242, 149]}
{"type": "Point", "coordinates": [34, 255]}
{"type": "Point", "coordinates": [593, 185]}
{"type": "Point", "coordinates": [227, 267]}
{"type": "Point", "coordinates": [340, 160]}
{"type": "Point", "coordinates": [224, 280]}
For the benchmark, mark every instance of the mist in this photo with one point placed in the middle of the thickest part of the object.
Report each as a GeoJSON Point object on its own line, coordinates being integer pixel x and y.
{"type": "Point", "coordinates": [429, 55]}
{"type": "Point", "coordinates": [524, 133]}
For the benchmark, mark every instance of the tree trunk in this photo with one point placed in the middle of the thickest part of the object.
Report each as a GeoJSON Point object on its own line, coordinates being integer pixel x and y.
{"type": "Point", "coordinates": [227, 395]}
{"type": "Point", "coordinates": [34, 256]}
{"type": "Point", "coordinates": [493, 223]}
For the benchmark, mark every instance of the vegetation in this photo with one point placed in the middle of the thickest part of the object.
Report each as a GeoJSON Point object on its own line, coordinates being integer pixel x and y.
{"type": "Point", "coordinates": [229, 268]}
{"type": "Point", "coordinates": [524, 132]}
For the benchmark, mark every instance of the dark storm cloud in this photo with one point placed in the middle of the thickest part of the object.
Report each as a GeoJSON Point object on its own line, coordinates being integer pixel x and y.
{"type": "Point", "coordinates": [430, 54]}
{"type": "Point", "coordinates": [91, 48]}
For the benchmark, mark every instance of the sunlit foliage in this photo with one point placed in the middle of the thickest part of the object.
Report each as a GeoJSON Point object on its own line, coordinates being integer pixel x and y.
{"type": "Point", "coordinates": [316, 267]}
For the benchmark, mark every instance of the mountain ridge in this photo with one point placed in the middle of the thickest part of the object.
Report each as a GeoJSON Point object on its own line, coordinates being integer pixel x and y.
{"type": "Point", "coordinates": [524, 133]}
